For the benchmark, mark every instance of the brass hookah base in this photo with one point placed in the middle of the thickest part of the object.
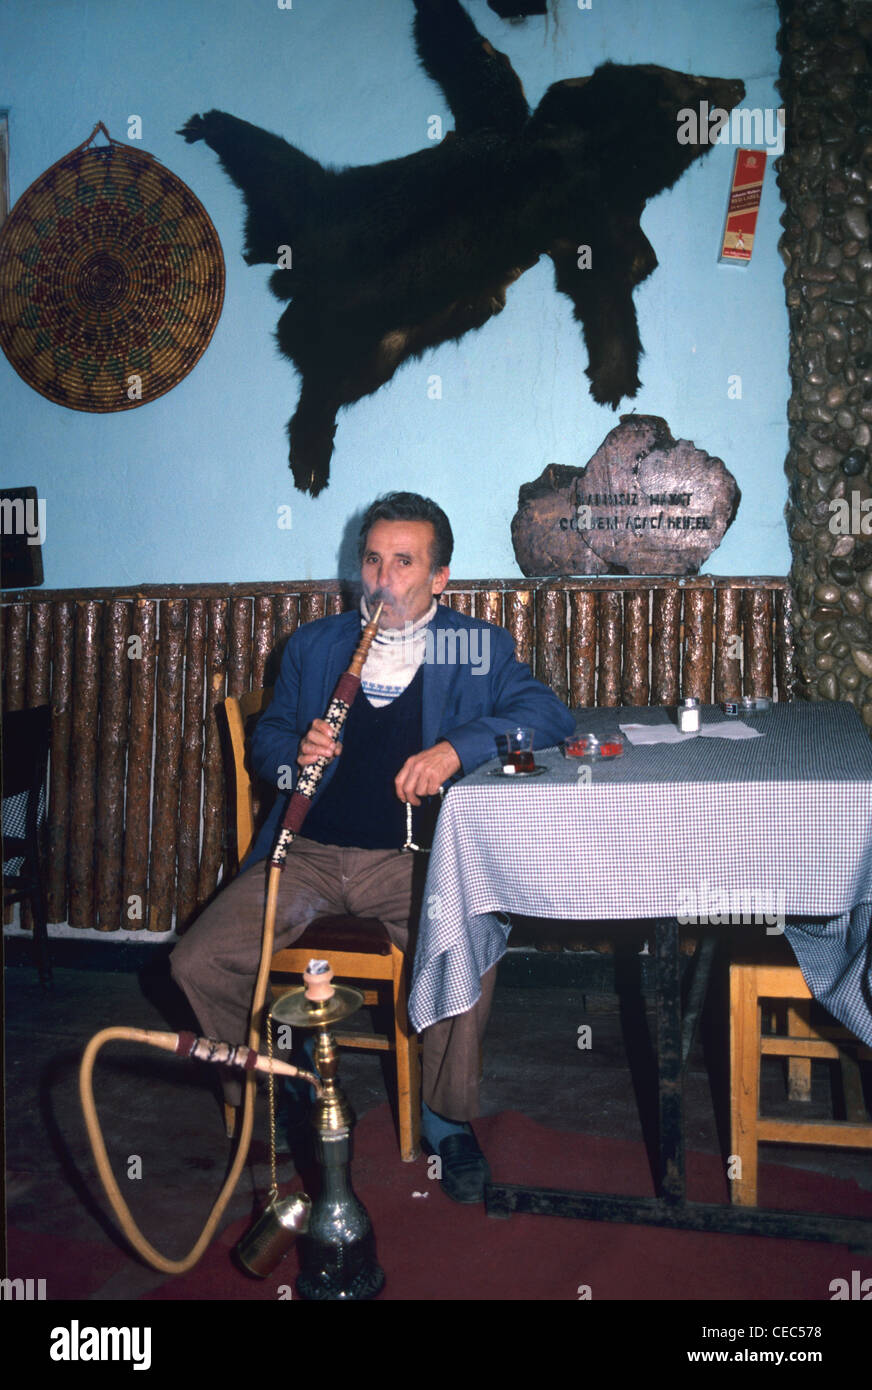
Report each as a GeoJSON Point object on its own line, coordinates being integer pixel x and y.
{"type": "Point", "coordinates": [337, 1252]}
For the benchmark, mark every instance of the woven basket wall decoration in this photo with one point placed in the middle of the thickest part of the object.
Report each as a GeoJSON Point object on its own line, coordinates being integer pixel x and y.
{"type": "Point", "coordinates": [110, 269]}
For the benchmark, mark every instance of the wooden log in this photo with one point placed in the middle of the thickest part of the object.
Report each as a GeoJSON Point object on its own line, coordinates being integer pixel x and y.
{"type": "Point", "coordinates": [551, 641]}
{"type": "Point", "coordinates": [39, 655]}
{"type": "Point", "coordinates": [519, 621]}
{"type": "Point", "coordinates": [665, 646]}
{"type": "Point", "coordinates": [137, 818]}
{"type": "Point", "coordinates": [83, 757]}
{"type": "Point", "coordinates": [462, 602]}
{"type": "Point", "coordinates": [757, 622]}
{"type": "Point", "coordinates": [699, 612]}
{"type": "Point", "coordinates": [338, 602]}
{"type": "Point", "coordinates": [635, 684]}
{"type": "Point", "coordinates": [190, 787]}
{"type": "Point", "coordinates": [38, 692]}
{"type": "Point", "coordinates": [114, 725]}
{"type": "Point", "coordinates": [313, 606]}
{"type": "Point", "coordinates": [728, 645]}
{"type": "Point", "coordinates": [213, 767]}
{"type": "Point", "coordinates": [168, 739]}
{"type": "Point", "coordinates": [15, 656]}
{"type": "Point", "coordinates": [610, 636]}
{"type": "Point", "coordinates": [59, 782]}
{"type": "Point", "coordinates": [239, 648]}
{"type": "Point", "coordinates": [489, 606]}
{"type": "Point", "coordinates": [785, 660]}
{"type": "Point", "coordinates": [582, 649]}
{"type": "Point", "coordinates": [264, 639]}
{"type": "Point", "coordinates": [287, 617]}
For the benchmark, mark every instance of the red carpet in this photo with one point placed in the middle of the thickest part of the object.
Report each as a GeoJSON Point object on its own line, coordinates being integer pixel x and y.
{"type": "Point", "coordinates": [432, 1249]}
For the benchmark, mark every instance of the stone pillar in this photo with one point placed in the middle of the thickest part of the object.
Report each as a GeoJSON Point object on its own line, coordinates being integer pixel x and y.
{"type": "Point", "coordinates": [825, 176]}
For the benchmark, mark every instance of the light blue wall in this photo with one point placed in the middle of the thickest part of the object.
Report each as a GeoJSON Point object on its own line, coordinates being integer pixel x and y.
{"type": "Point", "coordinates": [187, 488]}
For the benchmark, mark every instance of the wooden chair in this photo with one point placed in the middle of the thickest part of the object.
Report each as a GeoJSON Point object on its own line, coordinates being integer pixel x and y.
{"type": "Point", "coordinates": [779, 978]}
{"type": "Point", "coordinates": [357, 948]}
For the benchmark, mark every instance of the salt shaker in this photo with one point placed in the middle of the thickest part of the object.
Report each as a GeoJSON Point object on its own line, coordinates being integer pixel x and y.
{"type": "Point", "coordinates": [688, 716]}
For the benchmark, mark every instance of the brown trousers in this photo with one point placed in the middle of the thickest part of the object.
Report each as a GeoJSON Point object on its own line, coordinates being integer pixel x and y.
{"type": "Point", "coordinates": [216, 961]}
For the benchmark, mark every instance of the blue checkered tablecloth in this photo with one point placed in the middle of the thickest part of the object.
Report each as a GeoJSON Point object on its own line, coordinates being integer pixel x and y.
{"type": "Point", "coordinates": [14, 818]}
{"type": "Point", "coordinates": [776, 827]}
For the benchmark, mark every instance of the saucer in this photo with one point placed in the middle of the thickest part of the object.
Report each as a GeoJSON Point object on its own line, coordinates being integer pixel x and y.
{"type": "Point", "coordinates": [518, 776]}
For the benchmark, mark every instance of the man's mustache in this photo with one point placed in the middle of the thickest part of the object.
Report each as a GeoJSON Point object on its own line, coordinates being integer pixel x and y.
{"type": "Point", "coordinates": [380, 595]}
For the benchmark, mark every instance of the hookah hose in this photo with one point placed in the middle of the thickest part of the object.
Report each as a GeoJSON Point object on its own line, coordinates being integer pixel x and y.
{"type": "Point", "coordinates": [186, 1044]}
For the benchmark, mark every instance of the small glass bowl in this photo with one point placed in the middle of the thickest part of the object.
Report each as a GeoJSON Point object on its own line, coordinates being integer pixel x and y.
{"type": "Point", "coordinates": [596, 747]}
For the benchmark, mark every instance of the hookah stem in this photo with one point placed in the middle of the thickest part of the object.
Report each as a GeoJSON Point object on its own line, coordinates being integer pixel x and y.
{"type": "Point", "coordinates": [335, 716]}
{"type": "Point", "coordinates": [343, 696]}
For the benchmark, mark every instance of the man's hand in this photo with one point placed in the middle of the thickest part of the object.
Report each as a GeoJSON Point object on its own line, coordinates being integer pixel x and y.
{"type": "Point", "coordinates": [317, 742]}
{"type": "Point", "coordinates": [424, 774]}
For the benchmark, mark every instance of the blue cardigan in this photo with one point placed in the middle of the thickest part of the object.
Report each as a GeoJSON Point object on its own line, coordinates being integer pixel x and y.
{"type": "Point", "coordinates": [464, 701]}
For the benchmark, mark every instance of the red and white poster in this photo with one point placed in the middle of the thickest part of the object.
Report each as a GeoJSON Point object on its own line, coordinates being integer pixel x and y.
{"type": "Point", "coordinates": [744, 205]}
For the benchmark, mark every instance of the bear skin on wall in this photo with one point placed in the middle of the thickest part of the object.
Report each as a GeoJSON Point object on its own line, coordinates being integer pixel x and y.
{"type": "Point", "coordinates": [391, 259]}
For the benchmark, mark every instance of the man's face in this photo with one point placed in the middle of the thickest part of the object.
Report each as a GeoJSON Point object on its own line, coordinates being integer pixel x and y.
{"type": "Point", "coordinates": [396, 569]}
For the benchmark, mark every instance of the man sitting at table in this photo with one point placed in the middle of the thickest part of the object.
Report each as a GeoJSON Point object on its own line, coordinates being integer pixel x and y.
{"type": "Point", "coordinates": [437, 687]}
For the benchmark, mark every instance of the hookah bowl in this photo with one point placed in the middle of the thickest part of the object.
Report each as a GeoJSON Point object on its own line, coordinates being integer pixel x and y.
{"type": "Point", "coordinates": [337, 1252]}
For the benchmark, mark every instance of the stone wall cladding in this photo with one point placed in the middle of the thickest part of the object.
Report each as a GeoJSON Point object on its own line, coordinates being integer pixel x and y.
{"type": "Point", "coordinates": [825, 177]}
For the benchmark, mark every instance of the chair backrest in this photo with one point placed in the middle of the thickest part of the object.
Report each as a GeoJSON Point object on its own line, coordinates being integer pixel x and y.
{"type": "Point", "coordinates": [244, 800]}
{"type": "Point", "coordinates": [26, 734]}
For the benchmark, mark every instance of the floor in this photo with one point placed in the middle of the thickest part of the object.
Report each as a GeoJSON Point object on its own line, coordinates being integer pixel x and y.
{"type": "Point", "coordinates": [162, 1119]}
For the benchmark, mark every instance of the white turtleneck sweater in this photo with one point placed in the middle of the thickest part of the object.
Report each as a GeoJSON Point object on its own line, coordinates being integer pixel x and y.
{"type": "Point", "coordinates": [394, 657]}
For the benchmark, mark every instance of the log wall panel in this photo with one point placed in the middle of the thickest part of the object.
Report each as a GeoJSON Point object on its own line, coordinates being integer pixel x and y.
{"type": "Point", "coordinates": [137, 815]}
{"type": "Point", "coordinates": [757, 623]}
{"type": "Point", "coordinates": [114, 725]}
{"type": "Point", "coordinates": [239, 647]}
{"type": "Point", "coordinates": [59, 766]}
{"type": "Point", "coordinates": [519, 621]}
{"type": "Point", "coordinates": [665, 646]}
{"type": "Point", "coordinates": [39, 656]}
{"type": "Point", "coordinates": [582, 649]}
{"type": "Point", "coordinates": [698, 662]}
{"type": "Point", "coordinates": [191, 782]}
{"type": "Point", "coordinates": [551, 641]}
{"type": "Point", "coordinates": [610, 632]}
{"type": "Point", "coordinates": [634, 681]}
{"type": "Point", "coordinates": [14, 656]}
{"type": "Point", "coordinates": [213, 771]}
{"type": "Point", "coordinates": [313, 605]}
{"type": "Point", "coordinates": [728, 666]}
{"type": "Point", "coordinates": [83, 758]}
{"type": "Point", "coordinates": [489, 606]}
{"type": "Point", "coordinates": [785, 669]}
{"type": "Point", "coordinates": [168, 744]}
{"type": "Point", "coordinates": [264, 639]}
{"type": "Point", "coordinates": [287, 616]}
{"type": "Point", "coordinates": [71, 647]}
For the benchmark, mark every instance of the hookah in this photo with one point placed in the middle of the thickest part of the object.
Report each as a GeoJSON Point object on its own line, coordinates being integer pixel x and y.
{"type": "Point", "coordinates": [338, 1259]}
